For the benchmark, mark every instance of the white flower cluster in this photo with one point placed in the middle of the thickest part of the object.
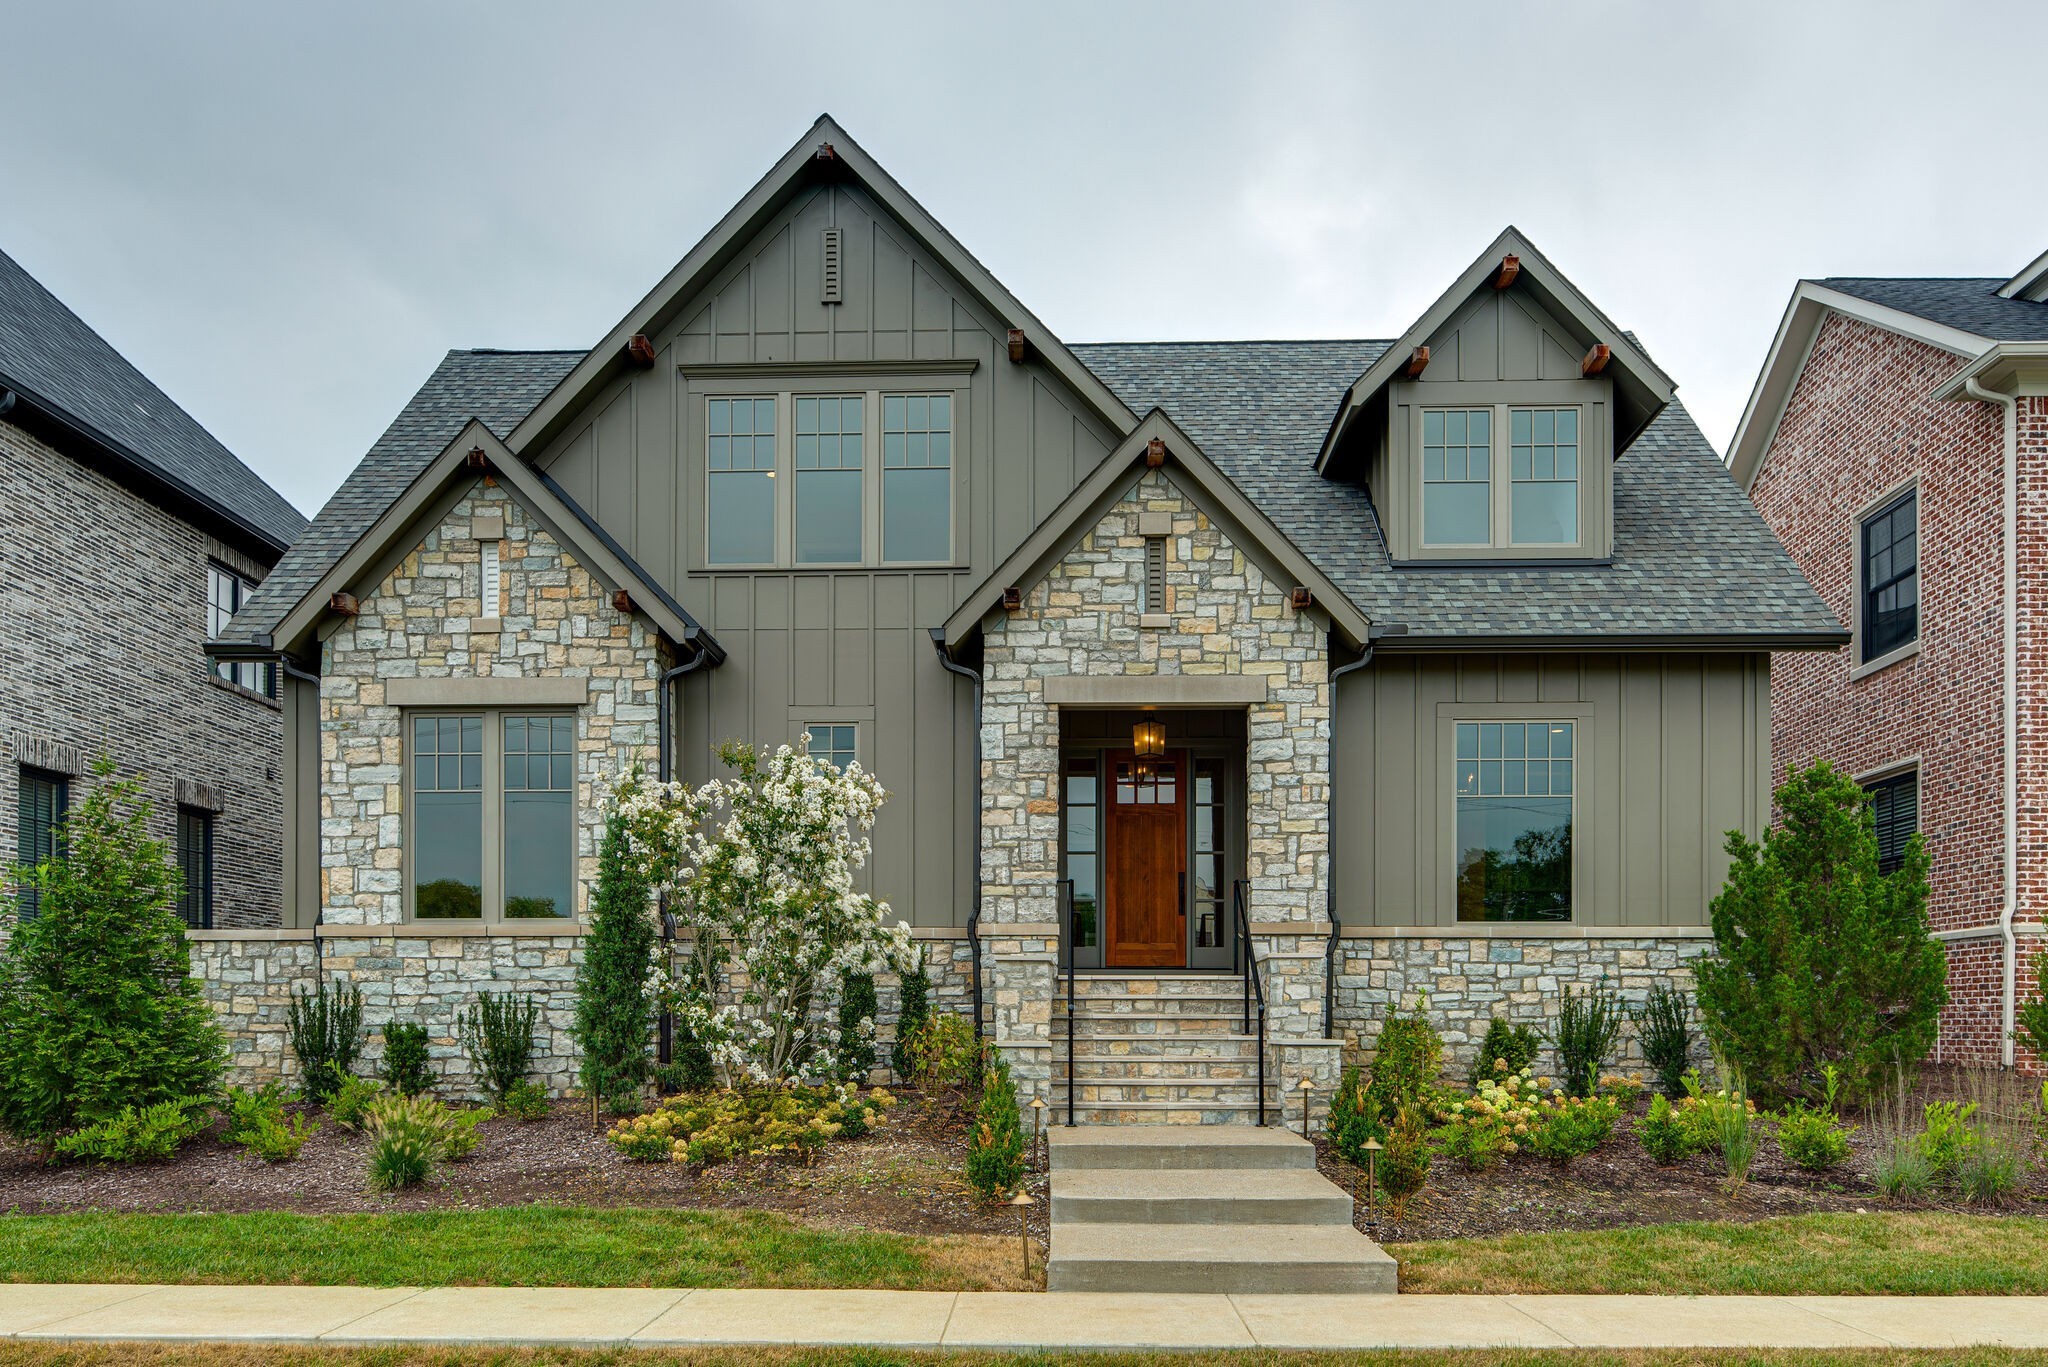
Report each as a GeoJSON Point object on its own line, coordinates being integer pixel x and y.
{"type": "Point", "coordinates": [759, 867]}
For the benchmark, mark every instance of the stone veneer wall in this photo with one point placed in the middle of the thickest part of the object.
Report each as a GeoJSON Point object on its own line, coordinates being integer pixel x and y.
{"type": "Point", "coordinates": [1086, 618]}
{"type": "Point", "coordinates": [1470, 979]}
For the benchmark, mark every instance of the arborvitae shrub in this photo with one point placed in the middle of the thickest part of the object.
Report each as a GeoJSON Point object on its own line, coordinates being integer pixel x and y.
{"type": "Point", "coordinates": [995, 1148]}
{"type": "Point", "coordinates": [1405, 1062]}
{"type": "Point", "coordinates": [913, 1009]}
{"type": "Point", "coordinates": [1511, 1047]}
{"type": "Point", "coordinates": [405, 1068]}
{"type": "Point", "coordinates": [614, 1009]}
{"type": "Point", "coordinates": [327, 1036]}
{"type": "Point", "coordinates": [1353, 1118]}
{"type": "Point", "coordinates": [857, 1008]}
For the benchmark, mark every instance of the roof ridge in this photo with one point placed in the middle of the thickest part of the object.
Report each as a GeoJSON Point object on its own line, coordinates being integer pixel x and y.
{"type": "Point", "coordinates": [1246, 341]}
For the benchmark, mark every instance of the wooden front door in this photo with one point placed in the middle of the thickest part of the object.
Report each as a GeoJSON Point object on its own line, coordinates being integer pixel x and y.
{"type": "Point", "coordinates": [1144, 860]}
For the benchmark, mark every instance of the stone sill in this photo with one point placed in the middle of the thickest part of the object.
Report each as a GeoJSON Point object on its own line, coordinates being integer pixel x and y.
{"type": "Point", "coordinates": [227, 686]}
{"type": "Point", "coordinates": [410, 930]}
{"type": "Point", "coordinates": [1531, 930]}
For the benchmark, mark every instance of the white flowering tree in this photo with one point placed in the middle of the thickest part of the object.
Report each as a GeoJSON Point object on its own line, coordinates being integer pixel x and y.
{"type": "Point", "coordinates": [759, 866]}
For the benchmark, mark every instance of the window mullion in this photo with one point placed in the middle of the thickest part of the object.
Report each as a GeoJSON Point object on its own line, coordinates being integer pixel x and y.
{"type": "Point", "coordinates": [785, 480]}
{"type": "Point", "coordinates": [1502, 478]}
{"type": "Point", "coordinates": [494, 818]}
{"type": "Point", "coordinates": [871, 478]}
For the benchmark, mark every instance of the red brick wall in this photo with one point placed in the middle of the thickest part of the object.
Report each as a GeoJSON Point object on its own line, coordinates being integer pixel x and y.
{"type": "Point", "coordinates": [1859, 424]}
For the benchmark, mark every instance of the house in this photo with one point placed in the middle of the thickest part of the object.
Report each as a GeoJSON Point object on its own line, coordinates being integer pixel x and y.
{"type": "Point", "coordinates": [128, 536]}
{"type": "Point", "coordinates": [1897, 441]}
{"type": "Point", "coordinates": [1129, 631]}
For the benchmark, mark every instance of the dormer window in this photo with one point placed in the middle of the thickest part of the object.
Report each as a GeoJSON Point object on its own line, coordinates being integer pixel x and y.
{"type": "Point", "coordinates": [1503, 479]}
{"type": "Point", "coordinates": [1457, 477]}
{"type": "Point", "coordinates": [1543, 467]}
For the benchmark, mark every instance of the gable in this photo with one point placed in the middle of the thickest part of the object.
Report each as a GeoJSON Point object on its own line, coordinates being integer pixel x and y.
{"type": "Point", "coordinates": [1502, 335]}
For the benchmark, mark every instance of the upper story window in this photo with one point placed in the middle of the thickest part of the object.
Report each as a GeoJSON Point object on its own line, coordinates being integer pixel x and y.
{"type": "Point", "coordinates": [1889, 612]}
{"type": "Point", "coordinates": [834, 742]}
{"type": "Point", "coordinates": [226, 591]}
{"type": "Point", "coordinates": [1465, 500]}
{"type": "Point", "coordinates": [1895, 802]}
{"type": "Point", "coordinates": [794, 479]}
{"type": "Point", "coordinates": [493, 815]}
{"type": "Point", "coordinates": [44, 799]}
{"type": "Point", "coordinates": [1515, 785]}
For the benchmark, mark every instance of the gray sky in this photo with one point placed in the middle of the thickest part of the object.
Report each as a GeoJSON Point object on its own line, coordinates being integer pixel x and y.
{"type": "Point", "coordinates": [284, 213]}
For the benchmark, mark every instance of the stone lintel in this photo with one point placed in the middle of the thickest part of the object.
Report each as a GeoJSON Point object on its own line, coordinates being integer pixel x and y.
{"type": "Point", "coordinates": [1156, 690]}
{"type": "Point", "coordinates": [490, 691]}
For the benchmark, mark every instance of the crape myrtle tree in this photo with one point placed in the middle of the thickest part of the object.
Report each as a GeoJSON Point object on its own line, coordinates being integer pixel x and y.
{"type": "Point", "coordinates": [1819, 958]}
{"type": "Point", "coordinates": [760, 867]}
{"type": "Point", "coordinates": [98, 1007]}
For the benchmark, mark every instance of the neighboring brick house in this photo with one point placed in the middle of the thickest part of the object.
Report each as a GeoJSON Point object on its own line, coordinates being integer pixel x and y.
{"type": "Point", "coordinates": [1897, 442]}
{"type": "Point", "coordinates": [1358, 670]}
{"type": "Point", "coordinates": [128, 536]}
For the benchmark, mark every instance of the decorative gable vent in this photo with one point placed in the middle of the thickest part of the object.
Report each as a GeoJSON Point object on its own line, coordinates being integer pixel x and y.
{"type": "Point", "coordinates": [831, 289]}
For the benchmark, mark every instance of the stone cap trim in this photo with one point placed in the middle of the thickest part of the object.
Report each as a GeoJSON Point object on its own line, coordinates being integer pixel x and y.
{"type": "Point", "coordinates": [1527, 930]}
{"type": "Point", "coordinates": [488, 691]}
{"type": "Point", "coordinates": [1156, 690]}
{"type": "Point", "coordinates": [40, 752]}
{"type": "Point", "coordinates": [190, 792]}
{"type": "Point", "coordinates": [257, 933]}
{"type": "Point", "coordinates": [410, 930]}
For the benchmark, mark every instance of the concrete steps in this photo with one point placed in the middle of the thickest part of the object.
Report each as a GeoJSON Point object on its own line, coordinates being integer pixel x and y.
{"type": "Point", "coordinates": [1202, 1208]}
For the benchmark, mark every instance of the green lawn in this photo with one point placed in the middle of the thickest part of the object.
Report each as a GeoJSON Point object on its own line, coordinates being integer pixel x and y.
{"type": "Point", "coordinates": [505, 1246]}
{"type": "Point", "coordinates": [1812, 1255]}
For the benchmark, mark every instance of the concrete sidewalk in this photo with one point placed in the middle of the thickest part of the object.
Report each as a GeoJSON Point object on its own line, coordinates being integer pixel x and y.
{"type": "Point", "coordinates": [1006, 1320]}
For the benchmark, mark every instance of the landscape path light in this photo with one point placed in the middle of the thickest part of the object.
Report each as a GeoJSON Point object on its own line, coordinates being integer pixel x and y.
{"type": "Point", "coordinates": [1372, 1146]}
{"type": "Point", "coordinates": [1022, 1201]}
{"type": "Point", "coordinates": [1037, 1127]}
{"type": "Point", "coordinates": [1306, 1086]}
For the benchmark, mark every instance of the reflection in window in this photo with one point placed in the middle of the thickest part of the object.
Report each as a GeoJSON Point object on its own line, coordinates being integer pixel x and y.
{"type": "Point", "coordinates": [1514, 823]}
{"type": "Point", "coordinates": [1146, 783]}
{"type": "Point", "coordinates": [828, 475]}
{"type": "Point", "coordinates": [917, 477]}
{"type": "Point", "coordinates": [1083, 812]}
{"type": "Point", "coordinates": [832, 742]}
{"type": "Point", "coordinates": [226, 592]}
{"type": "Point", "coordinates": [448, 818]}
{"type": "Point", "coordinates": [1457, 459]}
{"type": "Point", "coordinates": [1543, 467]}
{"type": "Point", "coordinates": [1208, 853]}
{"type": "Point", "coordinates": [1891, 577]}
{"type": "Point", "coordinates": [740, 525]}
{"type": "Point", "coordinates": [540, 837]}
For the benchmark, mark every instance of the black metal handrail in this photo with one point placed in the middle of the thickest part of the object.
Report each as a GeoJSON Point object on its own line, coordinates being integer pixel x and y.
{"type": "Point", "coordinates": [1067, 961]}
{"type": "Point", "coordinates": [1254, 990]}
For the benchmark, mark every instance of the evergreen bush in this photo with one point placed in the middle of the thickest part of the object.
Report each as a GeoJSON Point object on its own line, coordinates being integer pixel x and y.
{"type": "Point", "coordinates": [498, 1034]}
{"type": "Point", "coordinates": [98, 1008]}
{"type": "Point", "coordinates": [614, 1002]}
{"type": "Point", "coordinates": [405, 1069]}
{"type": "Point", "coordinates": [914, 1008]}
{"type": "Point", "coordinates": [327, 1036]}
{"type": "Point", "coordinates": [1818, 957]}
{"type": "Point", "coordinates": [1403, 1167]}
{"type": "Point", "coordinates": [1405, 1061]}
{"type": "Point", "coordinates": [857, 1008]}
{"type": "Point", "coordinates": [1588, 1029]}
{"type": "Point", "coordinates": [2032, 1030]}
{"type": "Point", "coordinates": [1354, 1118]}
{"type": "Point", "coordinates": [995, 1148]}
{"type": "Point", "coordinates": [1664, 1024]}
{"type": "Point", "coordinates": [136, 1134]}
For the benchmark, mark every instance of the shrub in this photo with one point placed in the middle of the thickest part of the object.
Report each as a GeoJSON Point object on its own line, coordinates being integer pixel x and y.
{"type": "Point", "coordinates": [327, 1036]}
{"type": "Point", "coordinates": [1506, 1050]}
{"type": "Point", "coordinates": [1353, 1118]}
{"type": "Point", "coordinates": [614, 1003]}
{"type": "Point", "coordinates": [1819, 958]}
{"type": "Point", "coordinates": [1990, 1171]}
{"type": "Point", "coordinates": [1664, 1134]}
{"type": "Point", "coordinates": [527, 1101]}
{"type": "Point", "coordinates": [673, 1078]}
{"type": "Point", "coordinates": [1569, 1127]}
{"type": "Point", "coordinates": [461, 1139]}
{"type": "Point", "coordinates": [1495, 1120]}
{"type": "Point", "coordinates": [1403, 1166]}
{"type": "Point", "coordinates": [913, 1009]}
{"type": "Point", "coordinates": [1812, 1138]}
{"type": "Point", "coordinates": [943, 1051]}
{"type": "Point", "coordinates": [410, 1134]}
{"type": "Point", "coordinates": [1664, 1024]}
{"type": "Point", "coordinates": [1588, 1028]}
{"type": "Point", "coordinates": [99, 1012]}
{"type": "Point", "coordinates": [857, 1008]}
{"type": "Point", "coordinates": [1947, 1136]}
{"type": "Point", "coordinates": [710, 1127]}
{"type": "Point", "coordinates": [995, 1146]}
{"type": "Point", "coordinates": [257, 1121]}
{"type": "Point", "coordinates": [497, 1032]}
{"type": "Point", "coordinates": [351, 1100]}
{"type": "Point", "coordinates": [1406, 1061]}
{"type": "Point", "coordinates": [136, 1134]}
{"type": "Point", "coordinates": [405, 1068]}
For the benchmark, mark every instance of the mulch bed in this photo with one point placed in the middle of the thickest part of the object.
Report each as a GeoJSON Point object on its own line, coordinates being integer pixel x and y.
{"type": "Point", "coordinates": [904, 1177]}
{"type": "Point", "coordinates": [1617, 1185]}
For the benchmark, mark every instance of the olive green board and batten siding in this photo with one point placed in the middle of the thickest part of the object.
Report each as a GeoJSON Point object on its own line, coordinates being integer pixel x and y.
{"type": "Point", "coordinates": [1674, 751]}
{"type": "Point", "coordinates": [839, 645]}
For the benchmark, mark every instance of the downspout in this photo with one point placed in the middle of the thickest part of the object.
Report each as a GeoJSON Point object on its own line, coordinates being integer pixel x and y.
{"type": "Point", "coordinates": [1330, 863]}
{"type": "Point", "coordinates": [665, 1039]}
{"type": "Point", "coordinates": [284, 662]}
{"type": "Point", "coordinates": [2009, 968]}
{"type": "Point", "coordinates": [952, 666]}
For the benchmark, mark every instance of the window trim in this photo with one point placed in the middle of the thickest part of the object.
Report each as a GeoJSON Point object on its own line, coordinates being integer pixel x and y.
{"type": "Point", "coordinates": [493, 817]}
{"type": "Point", "coordinates": [872, 383]}
{"type": "Point", "coordinates": [1500, 480]}
{"type": "Point", "coordinates": [205, 818]}
{"type": "Point", "coordinates": [60, 809]}
{"type": "Point", "coordinates": [1860, 668]}
{"type": "Point", "coordinates": [1586, 807]}
{"type": "Point", "coordinates": [809, 727]}
{"type": "Point", "coordinates": [227, 670]}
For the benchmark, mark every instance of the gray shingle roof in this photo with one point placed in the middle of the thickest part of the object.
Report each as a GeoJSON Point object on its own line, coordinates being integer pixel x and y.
{"type": "Point", "coordinates": [1691, 556]}
{"type": "Point", "coordinates": [496, 387]}
{"type": "Point", "coordinates": [56, 362]}
{"type": "Point", "coordinates": [1969, 304]}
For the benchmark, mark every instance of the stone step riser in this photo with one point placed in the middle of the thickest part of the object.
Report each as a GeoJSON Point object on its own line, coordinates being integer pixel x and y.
{"type": "Point", "coordinates": [1161, 1046]}
{"type": "Point", "coordinates": [1196, 1277]}
{"type": "Point", "coordinates": [1334, 1209]}
{"type": "Point", "coordinates": [1087, 1069]}
{"type": "Point", "coordinates": [1161, 1113]}
{"type": "Point", "coordinates": [1203, 1095]}
{"type": "Point", "coordinates": [1216, 1028]}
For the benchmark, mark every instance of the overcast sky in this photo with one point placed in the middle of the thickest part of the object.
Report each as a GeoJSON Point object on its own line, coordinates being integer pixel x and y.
{"type": "Point", "coordinates": [285, 219]}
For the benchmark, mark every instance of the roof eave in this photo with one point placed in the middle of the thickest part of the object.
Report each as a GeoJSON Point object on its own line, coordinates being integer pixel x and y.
{"type": "Point", "coordinates": [1725, 642]}
{"type": "Point", "coordinates": [2013, 367]}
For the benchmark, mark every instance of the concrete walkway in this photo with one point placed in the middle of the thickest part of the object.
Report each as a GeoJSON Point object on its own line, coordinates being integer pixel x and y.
{"type": "Point", "coordinates": [1006, 1320]}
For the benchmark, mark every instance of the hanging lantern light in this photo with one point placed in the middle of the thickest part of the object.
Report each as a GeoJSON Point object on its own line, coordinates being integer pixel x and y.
{"type": "Point", "coordinates": [1148, 739]}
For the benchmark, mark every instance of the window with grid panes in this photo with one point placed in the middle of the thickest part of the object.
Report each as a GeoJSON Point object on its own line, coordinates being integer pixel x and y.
{"type": "Point", "coordinates": [917, 477]}
{"type": "Point", "coordinates": [740, 492]}
{"type": "Point", "coordinates": [833, 742]}
{"type": "Point", "coordinates": [1515, 784]}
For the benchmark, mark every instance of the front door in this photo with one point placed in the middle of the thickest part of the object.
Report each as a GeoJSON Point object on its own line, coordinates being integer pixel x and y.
{"type": "Point", "coordinates": [1145, 862]}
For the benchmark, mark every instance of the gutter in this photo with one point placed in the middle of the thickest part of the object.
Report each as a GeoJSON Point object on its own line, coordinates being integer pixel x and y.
{"type": "Point", "coordinates": [664, 1049]}
{"type": "Point", "coordinates": [952, 666]}
{"type": "Point", "coordinates": [2008, 970]}
{"type": "Point", "coordinates": [1330, 861]}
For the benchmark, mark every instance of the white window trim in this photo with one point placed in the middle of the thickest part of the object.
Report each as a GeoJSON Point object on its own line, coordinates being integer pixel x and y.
{"type": "Point", "coordinates": [1500, 482]}
{"type": "Point", "coordinates": [1859, 668]}
{"type": "Point", "coordinates": [872, 474]}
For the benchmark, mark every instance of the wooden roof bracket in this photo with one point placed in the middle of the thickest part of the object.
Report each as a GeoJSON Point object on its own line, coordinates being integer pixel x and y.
{"type": "Point", "coordinates": [1510, 267]}
{"type": "Point", "coordinates": [1417, 363]}
{"type": "Point", "coordinates": [1596, 359]}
